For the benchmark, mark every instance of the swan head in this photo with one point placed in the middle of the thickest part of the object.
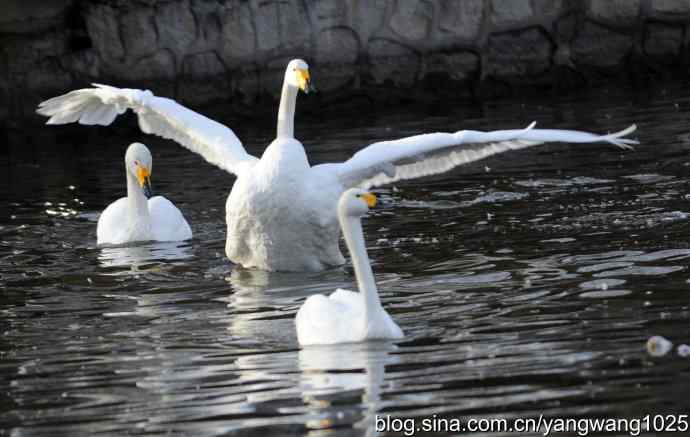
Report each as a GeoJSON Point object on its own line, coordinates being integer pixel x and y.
{"type": "Point", "coordinates": [139, 164]}
{"type": "Point", "coordinates": [356, 202]}
{"type": "Point", "coordinates": [297, 75]}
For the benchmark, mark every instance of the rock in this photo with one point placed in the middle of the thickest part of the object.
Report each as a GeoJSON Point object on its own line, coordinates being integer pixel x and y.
{"type": "Point", "coordinates": [207, 16]}
{"type": "Point", "coordinates": [104, 31]}
{"type": "Point", "coordinates": [48, 77]}
{"type": "Point", "coordinates": [19, 54]}
{"type": "Point", "coordinates": [368, 19]}
{"type": "Point", "coordinates": [330, 77]}
{"type": "Point", "coordinates": [138, 32]}
{"type": "Point", "coordinates": [663, 41]}
{"type": "Point", "coordinates": [202, 65]}
{"type": "Point", "coordinates": [669, 9]}
{"type": "Point", "coordinates": [548, 7]}
{"type": "Point", "coordinates": [330, 13]}
{"type": "Point", "coordinates": [598, 46]}
{"type": "Point", "coordinates": [337, 45]}
{"type": "Point", "coordinates": [83, 64]}
{"type": "Point", "coordinates": [562, 56]}
{"type": "Point", "coordinates": [617, 13]}
{"type": "Point", "coordinates": [246, 84]}
{"type": "Point", "coordinates": [458, 66]}
{"type": "Point", "coordinates": [461, 19]}
{"type": "Point", "coordinates": [283, 24]}
{"type": "Point", "coordinates": [238, 37]}
{"type": "Point", "coordinates": [505, 12]}
{"type": "Point", "coordinates": [393, 62]}
{"type": "Point", "coordinates": [204, 78]}
{"type": "Point", "coordinates": [272, 75]}
{"type": "Point", "coordinates": [337, 52]}
{"type": "Point", "coordinates": [202, 45]}
{"type": "Point", "coordinates": [32, 16]}
{"type": "Point", "coordinates": [521, 53]}
{"type": "Point", "coordinates": [176, 27]}
{"type": "Point", "coordinates": [160, 65]}
{"type": "Point", "coordinates": [566, 28]}
{"type": "Point", "coordinates": [411, 19]}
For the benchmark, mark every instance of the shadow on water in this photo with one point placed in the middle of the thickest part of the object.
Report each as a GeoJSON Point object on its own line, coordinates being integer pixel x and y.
{"type": "Point", "coordinates": [526, 284]}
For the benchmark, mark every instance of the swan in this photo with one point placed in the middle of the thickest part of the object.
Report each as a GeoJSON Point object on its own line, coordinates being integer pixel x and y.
{"type": "Point", "coordinates": [346, 316]}
{"type": "Point", "coordinates": [281, 211]}
{"type": "Point", "coordinates": [140, 217]}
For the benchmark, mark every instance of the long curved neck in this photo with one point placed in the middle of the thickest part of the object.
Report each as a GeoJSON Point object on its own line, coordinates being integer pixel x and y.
{"type": "Point", "coordinates": [137, 203]}
{"type": "Point", "coordinates": [286, 111]}
{"type": "Point", "coordinates": [354, 239]}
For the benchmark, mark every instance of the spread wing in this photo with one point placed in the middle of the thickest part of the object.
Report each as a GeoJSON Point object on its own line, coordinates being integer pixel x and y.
{"type": "Point", "coordinates": [428, 154]}
{"type": "Point", "coordinates": [160, 116]}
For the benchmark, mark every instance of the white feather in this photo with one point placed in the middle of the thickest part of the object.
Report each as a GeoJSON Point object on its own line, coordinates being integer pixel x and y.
{"type": "Point", "coordinates": [158, 116]}
{"type": "Point", "coordinates": [428, 154]}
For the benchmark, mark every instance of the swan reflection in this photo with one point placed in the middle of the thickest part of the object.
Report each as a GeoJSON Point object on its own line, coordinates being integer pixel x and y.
{"type": "Point", "coordinates": [263, 304]}
{"type": "Point", "coordinates": [140, 255]}
{"type": "Point", "coordinates": [333, 377]}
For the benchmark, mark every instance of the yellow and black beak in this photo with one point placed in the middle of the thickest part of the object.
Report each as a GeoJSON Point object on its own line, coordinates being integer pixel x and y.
{"type": "Point", "coordinates": [144, 178]}
{"type": "Point", "coordinates": [304, 81]}
{"type": "Point", "coordinates": [370, 199]}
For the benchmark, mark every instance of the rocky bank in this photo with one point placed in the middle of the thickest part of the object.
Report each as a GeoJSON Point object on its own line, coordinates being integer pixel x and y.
{"type": "Point", "coordinates": [235, 50]}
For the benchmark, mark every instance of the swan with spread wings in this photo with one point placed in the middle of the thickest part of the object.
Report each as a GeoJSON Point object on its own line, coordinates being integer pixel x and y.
{"type": "Point", "coordinates": [281, 211]}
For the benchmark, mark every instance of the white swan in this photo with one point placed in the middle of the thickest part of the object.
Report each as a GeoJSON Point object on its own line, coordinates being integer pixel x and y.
{"type": "Point", "coordinates": [136, 218]}
{"type": "Point", "coordinates": [281, 212]}
{"type": "Point", "coordinates": [346, 316]}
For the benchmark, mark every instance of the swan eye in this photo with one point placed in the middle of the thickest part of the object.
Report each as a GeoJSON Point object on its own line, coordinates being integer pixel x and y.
{"type": "Point", "coordinates": [136, 162]}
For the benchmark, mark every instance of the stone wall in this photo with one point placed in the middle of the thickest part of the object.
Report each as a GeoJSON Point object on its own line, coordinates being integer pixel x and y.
{"type": "Point", "coordinates": [236, 50]}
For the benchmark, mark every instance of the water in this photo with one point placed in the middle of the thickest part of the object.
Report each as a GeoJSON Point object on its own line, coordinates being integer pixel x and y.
{"type": "Point", "coordinates": [526, 284]}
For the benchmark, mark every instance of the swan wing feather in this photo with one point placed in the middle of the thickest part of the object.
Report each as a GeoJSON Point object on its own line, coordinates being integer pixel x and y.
{"type": "Point", "coordinates": [428, 154]}
{"type": "Point", "coordinates": [156, 115]}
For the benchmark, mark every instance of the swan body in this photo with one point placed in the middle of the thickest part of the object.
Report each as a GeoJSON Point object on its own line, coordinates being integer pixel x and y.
{"type": "Point", "coordinates": [281, 211]}
{"type": "Point", "coordinates": [346, 316]}
{"type": "Point", "coordinates": [136, 218]}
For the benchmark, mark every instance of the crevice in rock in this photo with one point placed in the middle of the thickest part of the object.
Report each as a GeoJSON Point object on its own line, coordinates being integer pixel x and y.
{"type": "Point", "coordinates": [79, 38]}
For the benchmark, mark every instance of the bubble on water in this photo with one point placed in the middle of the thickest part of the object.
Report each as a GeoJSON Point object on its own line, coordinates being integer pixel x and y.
{"type": "Point", "coordinates": [658, 346]}
{"type": "Point", "coordinates": [684, 350]}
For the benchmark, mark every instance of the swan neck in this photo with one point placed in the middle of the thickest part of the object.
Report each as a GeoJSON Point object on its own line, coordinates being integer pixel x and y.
{"type": "Point", "coordinates": [137, 203]}
{"type": "Point", "coordinates": [354, 239]}
{"type": "Point", "coordinates": [286, 111]}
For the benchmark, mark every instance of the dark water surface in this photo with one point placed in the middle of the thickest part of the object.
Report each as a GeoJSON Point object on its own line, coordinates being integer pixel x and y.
{"type": "Point", "coordinates": [527, 284]}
